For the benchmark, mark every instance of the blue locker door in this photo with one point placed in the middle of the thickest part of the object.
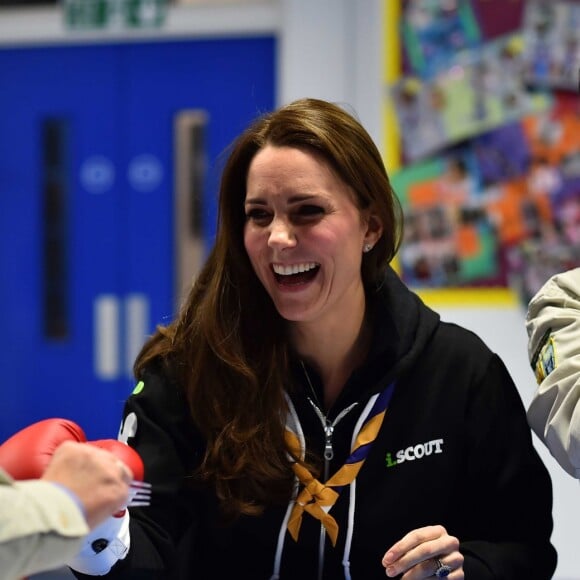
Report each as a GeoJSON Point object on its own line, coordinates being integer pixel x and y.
{"type": "Point", "coordinates": [229, 81]}
{"type": "Point", "coordinates": [59, 236]}
{"type": "Point", "coordinates": [92, 129]}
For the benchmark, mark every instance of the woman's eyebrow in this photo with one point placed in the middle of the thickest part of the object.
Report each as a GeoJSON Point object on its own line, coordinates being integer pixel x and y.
{"type": "Point", "coordinates": [293, 199]}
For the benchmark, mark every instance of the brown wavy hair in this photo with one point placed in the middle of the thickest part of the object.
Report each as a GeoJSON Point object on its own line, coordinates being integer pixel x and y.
{"type": "Point", "coordinates": [228, 347]}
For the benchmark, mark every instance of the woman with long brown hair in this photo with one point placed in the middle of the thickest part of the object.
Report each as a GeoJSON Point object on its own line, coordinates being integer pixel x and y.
{"type": "Point", "coordinates": [306, 415]}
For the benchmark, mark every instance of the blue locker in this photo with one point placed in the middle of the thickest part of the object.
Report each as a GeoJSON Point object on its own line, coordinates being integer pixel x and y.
{"type": "Point", "coordinates": [87, 187]}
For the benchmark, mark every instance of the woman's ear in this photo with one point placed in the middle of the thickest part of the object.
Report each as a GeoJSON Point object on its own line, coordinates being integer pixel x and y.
{"type": "Point", "coordinates": [374, 230]}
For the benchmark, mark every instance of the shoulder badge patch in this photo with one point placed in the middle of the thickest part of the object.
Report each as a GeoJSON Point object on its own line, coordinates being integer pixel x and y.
{"type": "Point", "coordinates": [544, 361]}
{"type": "Point", "coordinates": [128, 428]}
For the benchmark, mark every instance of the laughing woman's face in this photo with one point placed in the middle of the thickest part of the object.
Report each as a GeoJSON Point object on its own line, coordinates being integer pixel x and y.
{"type": "Point", "coordinates": [304, 235]}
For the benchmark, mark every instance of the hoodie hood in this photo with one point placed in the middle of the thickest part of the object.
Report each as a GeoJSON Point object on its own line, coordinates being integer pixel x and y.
{"type": "Point", "coordinates": [403, 326]}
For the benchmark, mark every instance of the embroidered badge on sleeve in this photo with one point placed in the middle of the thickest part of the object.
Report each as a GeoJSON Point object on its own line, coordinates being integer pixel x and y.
{"type": "Point", "coordinates": [544, 360]}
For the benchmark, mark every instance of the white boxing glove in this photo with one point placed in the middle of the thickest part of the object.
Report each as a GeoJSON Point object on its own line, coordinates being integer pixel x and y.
{"type": "Point", "coordinates": [104, 547]}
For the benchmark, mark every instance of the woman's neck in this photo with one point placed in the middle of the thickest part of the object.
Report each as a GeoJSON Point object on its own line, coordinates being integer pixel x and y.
{"type": "Point", "coordinates": [334, 350]}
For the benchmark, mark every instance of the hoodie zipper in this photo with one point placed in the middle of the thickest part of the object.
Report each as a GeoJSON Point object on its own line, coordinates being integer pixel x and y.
{"type": "Point", "coordinates": [328, 427]}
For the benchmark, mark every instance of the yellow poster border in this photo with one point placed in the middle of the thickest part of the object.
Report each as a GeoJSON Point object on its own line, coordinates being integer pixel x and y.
{"type": "Point", "coordinates": [493, 297]}
{"type": "Point", "coordinates": [392, 65]}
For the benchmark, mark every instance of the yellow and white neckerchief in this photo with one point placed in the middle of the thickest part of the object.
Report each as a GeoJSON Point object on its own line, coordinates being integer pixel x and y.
{"type": "Point", "coordinates": [317, 498]}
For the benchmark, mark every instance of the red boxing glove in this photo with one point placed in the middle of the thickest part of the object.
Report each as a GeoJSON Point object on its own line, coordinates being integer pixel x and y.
{"type": "Point", "coordinates": [125, 453]}
{"type": "Point", "coordinates": [27, 453]}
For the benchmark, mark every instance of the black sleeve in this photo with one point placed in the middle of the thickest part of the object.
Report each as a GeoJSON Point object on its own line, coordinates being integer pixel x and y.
{"type": "Point", "coordinates": [156, 423]}
{"type": "Point", "coordinates": [512, 486]}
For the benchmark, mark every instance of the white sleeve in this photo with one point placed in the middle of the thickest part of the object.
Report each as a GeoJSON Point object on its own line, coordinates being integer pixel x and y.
{"type": "Point", "coordinates": [553, 326]}
{"type": "Point", "coordinates": [103, 547]}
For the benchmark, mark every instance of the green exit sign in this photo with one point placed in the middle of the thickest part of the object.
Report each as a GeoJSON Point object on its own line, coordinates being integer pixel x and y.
{"type": "Point", "coordinates": [113, 14]}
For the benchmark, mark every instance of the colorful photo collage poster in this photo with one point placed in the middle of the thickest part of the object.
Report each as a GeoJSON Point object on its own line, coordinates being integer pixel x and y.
{"type": "Point", "coordinates": [482, 89]}
{"type": "Point", "coordinates": [551, 30]}
{"type": "Point", "coordinates": [489, 127]}
{"type": "Point", "coordinates": [502, 209]}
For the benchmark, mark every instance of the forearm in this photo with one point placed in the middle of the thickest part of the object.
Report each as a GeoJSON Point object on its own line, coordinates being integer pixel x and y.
{"type": "Point", "coordinates": [41, 527]}
{"type": "Point", "coordinates": [554, 415]}
{"type": "Point", "coordinates": [490, 560]}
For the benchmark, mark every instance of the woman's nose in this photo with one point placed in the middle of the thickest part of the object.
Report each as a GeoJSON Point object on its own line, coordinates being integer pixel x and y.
{"type": "Point", "coordinates": [281, 234]}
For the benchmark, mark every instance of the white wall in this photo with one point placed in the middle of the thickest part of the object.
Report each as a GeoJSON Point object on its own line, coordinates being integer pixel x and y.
{"type": "Point", "coordinates": [332, 49]}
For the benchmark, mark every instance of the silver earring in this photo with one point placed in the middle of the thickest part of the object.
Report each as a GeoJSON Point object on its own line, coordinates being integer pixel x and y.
{"type": "Point", "coordinates": [367, 248]}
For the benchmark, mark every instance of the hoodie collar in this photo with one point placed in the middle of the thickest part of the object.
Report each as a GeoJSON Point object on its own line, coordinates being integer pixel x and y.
{"type": "Point", "coordinates": [403, 324]}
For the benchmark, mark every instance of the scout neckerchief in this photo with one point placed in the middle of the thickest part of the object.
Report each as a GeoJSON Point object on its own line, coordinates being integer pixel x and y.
{"type": "Point", "coordinates": [317, 498]}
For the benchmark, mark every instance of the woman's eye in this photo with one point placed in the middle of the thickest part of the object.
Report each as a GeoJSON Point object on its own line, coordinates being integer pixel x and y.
{"type": "Point", "coordinates": [257, 215]}
{"type": "Point", "coordinates": [310, 211]}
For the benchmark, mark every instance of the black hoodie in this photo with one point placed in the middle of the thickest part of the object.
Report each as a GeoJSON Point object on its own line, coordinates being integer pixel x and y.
{"type": "Point", "coordinates": [454, 449]}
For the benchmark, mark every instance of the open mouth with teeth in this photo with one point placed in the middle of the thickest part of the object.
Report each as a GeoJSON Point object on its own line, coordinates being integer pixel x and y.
{"type": "Point", "coordinates": [295, 274]}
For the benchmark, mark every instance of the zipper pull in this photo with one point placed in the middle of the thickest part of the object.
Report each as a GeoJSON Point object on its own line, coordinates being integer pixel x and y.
{"type": "Point", "coordinates": [328, 451]}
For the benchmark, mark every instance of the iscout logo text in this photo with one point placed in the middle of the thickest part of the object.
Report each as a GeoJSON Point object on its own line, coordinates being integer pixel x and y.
{"type": "Point", "coordinates": [414, 452]}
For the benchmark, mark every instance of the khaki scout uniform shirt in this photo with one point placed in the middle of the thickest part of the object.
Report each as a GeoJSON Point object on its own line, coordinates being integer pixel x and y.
{"type": "Point", "coordinates": [553, 325]}
{"type": "Point", "coordinates": [41, 527]}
